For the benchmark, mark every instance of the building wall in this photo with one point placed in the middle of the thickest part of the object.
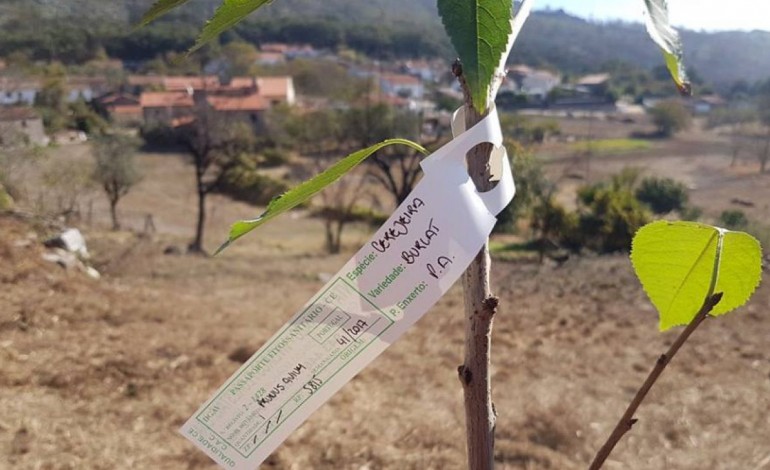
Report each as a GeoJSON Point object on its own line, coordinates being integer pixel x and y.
{"type": "Point", "coordinates": [9, 97]}
{"type": "Point", "coordinates": [31, 130]}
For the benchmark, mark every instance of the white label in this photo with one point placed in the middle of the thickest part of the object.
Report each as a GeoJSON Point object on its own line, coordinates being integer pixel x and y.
{"type": "Point", "coordinates": [412, 260]}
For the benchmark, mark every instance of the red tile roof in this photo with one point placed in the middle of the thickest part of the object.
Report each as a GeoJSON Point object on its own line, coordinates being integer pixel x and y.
{"type": "Point", "coordinates": [166, 99]}
{"type": "Point", "coordinates": [399, 79]}
{"type": "Point", "coordinates": [145, 80]}
{"type": "Point", "coordinates": [242, 82]}
{"type": "Point", "coordinates": [126, 110]}
{"type": "Point", "coordinates": [118, 99]}
{"type": "Point", "coordinates": [196, 83]}
{"type": "Point", "coordinates": [274, 87]}
{"type": "Point", "coordinates": [252, 102]}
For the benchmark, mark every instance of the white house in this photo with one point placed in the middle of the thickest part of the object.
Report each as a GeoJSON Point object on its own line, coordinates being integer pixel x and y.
{"type": "Point", "coordinates": [14, 91]}
{"type": "Point", "coordinates": [405, 86]}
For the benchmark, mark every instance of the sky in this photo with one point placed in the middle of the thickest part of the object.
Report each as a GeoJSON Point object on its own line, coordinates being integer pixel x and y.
{"type": "Point", "coordinates": [710, 15]}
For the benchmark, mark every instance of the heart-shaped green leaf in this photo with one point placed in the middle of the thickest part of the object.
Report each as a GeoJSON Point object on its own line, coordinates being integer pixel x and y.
{"type": "Point", "coordinates": [680, 264]}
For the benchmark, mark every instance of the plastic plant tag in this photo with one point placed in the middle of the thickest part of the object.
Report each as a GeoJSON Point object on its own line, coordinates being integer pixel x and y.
{"type": "Point", "coordinates": [410, 262]}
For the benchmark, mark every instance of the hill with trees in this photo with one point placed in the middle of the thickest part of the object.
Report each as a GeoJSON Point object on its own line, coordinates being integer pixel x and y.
{"type": "Point", "coordinates": [73, 31]}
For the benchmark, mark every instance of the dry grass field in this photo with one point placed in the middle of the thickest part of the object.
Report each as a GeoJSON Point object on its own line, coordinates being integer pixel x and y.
{"type": "Point", "coordinates": [100, 374]}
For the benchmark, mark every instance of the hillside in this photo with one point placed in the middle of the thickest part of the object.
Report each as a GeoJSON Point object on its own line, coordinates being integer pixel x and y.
{"type": "Point", "coordinates": [576, 45]}
{"type": "Point", "coordinates": [552, 38]}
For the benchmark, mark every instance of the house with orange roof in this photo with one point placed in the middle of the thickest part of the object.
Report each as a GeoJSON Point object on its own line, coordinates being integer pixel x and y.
{"type": "Point", "coordinates": [161, 107]}
{"type": "Point", "coordinates": [121, 108]}
{"type": "Point", "coordinates": [141, 83]}
{"type": "Point", "coordinates": [243, 98]}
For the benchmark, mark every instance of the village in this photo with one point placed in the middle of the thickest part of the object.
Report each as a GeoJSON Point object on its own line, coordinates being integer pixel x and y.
{"type": "Point", "coordinates": [130, 100]}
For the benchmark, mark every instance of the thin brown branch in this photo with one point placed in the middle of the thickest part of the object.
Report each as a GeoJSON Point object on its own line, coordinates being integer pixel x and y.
{"type": "Point", "coordinates": [627, 421]}
{"type": "Point", "coordinates": [480, 307]}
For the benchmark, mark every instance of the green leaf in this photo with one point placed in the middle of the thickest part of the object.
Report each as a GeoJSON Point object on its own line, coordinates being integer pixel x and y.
{"type": "Point", "coordinates": [666, 37]}
{"type": "Point", "coordinates": [227, 15]}
{"type": "Point", "coordinates": [480, 32]}
{"type": "Point", "coordinates": [310, 188]}
{"type": "Point", "coordinates": [160, 8]}
{"type": "Point", "coordinates": [680, 264]}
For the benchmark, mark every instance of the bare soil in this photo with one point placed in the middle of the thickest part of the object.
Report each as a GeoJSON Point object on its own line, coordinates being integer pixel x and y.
{"type": "Point", "coordinates": [100, 374]}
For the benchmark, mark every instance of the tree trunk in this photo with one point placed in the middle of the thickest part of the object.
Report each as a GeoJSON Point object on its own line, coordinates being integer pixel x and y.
{"type": "Point", "coordinates": [480, 307]}
{"type": "Point", "coordinates": [333, 236]}
{"type": "Point", "coordinates": [114, 214]}
{"type": "Point", "coordinates": [197, 245]}
{"type": "Point", "coordinates": [338, 239]}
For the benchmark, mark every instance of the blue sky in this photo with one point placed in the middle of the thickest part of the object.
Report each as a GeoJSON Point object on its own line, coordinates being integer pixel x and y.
{"type": "Point", "coordinates": [711, 15]}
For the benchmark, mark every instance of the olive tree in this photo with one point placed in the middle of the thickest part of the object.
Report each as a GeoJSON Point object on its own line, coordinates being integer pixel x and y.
{"type": "Point", "coordinates": [115, 169]}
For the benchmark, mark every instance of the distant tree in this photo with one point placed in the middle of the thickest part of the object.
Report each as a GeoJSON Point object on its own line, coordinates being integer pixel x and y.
{"type": "Point", "coordinates": [214, 145]}
{"type": "Point", "coordinates": [737, 121]}
{"type": "Point", "coordinates": [65, 184]}
{"type": "Point", "coordinates": [327, 79]}
{"type": "Point", "coordinates": [533, 189]}
{"type": "Point", "coordinates": [51, 99]}
{"type": "Point", "coordinates": [734, 219]}
{"type": "Point", "coordinates": [396, 169]}
{"type": "Point", "coordinates": [670, 117]}
{"type": "Point", "coordinates": [83, 117]}
{"type": "Point", "coordinates": [340, 208]}
{"type": "Point", "coordinates": [241, 57]}
{"type": "Point", "coordinates": [662, 195]}
{"type": "Point", "coordinates": [763, 149]}
{"type": "Point", "coordinates": [115, 170]}
{"type": "Point", "coordinates": [613, 213]}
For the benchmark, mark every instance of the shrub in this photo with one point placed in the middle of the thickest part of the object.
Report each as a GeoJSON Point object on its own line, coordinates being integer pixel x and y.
{"type": "Point", "coordinates": [551, 221]}
{"type": "Point", "coordinates": [272, 158]}
{"type": "Point", "coordinates": [6, 202]}
{"type": "Point", "coordinates": [243, 181]}
{"type": "Point", "coordinates": [691, 213]}
{"type": "Point", "coordinates": [532, 186]}
{"type": "Point", "coordinates": [670, 117]}
{"type": "Point", "coordinates": [159, 135]}
{"type": "Point", "coordinates": [611, 215]}
{"type": "Point", "coordinates": [662, 195]}
{"type": "Point", "coordinates": [734, 219]}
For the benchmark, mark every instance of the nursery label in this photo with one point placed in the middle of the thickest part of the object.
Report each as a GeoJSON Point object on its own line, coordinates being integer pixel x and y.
{"type": "Point", "coordinates": [412, 260]}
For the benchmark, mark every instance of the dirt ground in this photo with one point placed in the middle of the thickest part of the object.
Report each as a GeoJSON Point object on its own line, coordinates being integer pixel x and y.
{"type": "Point", "coordinates": [100, 374]}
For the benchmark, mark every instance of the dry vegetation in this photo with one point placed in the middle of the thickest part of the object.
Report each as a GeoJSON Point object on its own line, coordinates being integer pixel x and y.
{"type": "Point", "coordinates": [100, 374]}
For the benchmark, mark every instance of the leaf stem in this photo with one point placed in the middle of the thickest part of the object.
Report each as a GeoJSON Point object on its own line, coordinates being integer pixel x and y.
{"type": "Point", "coordinates": [627, 421]}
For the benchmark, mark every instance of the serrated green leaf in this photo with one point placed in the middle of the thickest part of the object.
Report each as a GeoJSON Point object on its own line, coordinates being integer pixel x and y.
{"type": "Point", "coordinates": [666, 37]}
{"type": "Point", "coordinates": [160, 8]}
{"type": "Point", "coordinates": [480, 32]}
{"type": "Point", "coordinates": [310, 188]}
{"type": "Point", "coordinates": [227, 15]}
{"type": "Point", "coordinates": [680, 264]}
